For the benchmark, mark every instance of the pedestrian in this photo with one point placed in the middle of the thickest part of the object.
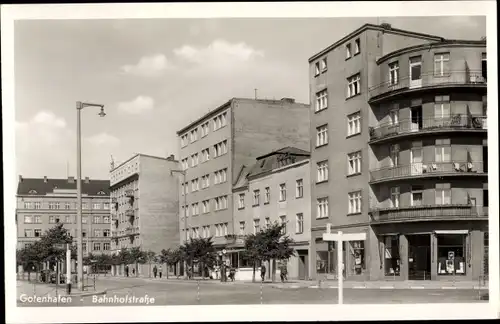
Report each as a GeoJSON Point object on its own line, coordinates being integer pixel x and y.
{"type": "Point", "coordinates": [126, 270]}
{"type": "Point", "coordinates": [283, 273]}
{"type": "Point", "coordinates": [232, 273]}
{"type": "Point", "coordinates": [160, 271]}
{"type": "Point", "coordinates": [155, 270]}
{"type": "Point", "coordinates": [217, 272]}
{"type": "Point", "coordinates": [262, 272]}
{"type": "Point", "coordinates": [133, 271]}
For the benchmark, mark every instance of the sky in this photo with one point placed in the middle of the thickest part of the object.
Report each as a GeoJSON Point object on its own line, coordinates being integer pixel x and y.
{"type": "Point", "coordinates": [155, 76]}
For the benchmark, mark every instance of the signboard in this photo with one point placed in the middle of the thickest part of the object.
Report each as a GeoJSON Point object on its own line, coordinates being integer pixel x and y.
{"type": "Point", "coordinates": [344, 237]}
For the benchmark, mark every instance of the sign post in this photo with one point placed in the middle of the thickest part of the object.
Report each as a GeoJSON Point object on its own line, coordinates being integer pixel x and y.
{"type": "Point", "coordinates": [339, 237]}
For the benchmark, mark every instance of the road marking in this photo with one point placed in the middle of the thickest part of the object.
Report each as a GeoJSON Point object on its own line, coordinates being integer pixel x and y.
{"type": "Point", "coordinates": [417, 287]}
{"type": "Point", "coordinates": [386, 287]}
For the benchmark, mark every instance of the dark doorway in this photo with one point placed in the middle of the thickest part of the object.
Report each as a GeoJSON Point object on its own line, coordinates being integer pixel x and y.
{"type": "Point", "coordinates": [303, 267]}
{"type": "Point", "coordinates": [416, 118]}
{"type": "Point", "coordinates": [485, 158]}
{"type": "Point", "coordinates": [419, 257]}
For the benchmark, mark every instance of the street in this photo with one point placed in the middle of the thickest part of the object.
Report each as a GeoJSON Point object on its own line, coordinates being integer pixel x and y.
{"type": "Point", "coordinates": [190, 293]}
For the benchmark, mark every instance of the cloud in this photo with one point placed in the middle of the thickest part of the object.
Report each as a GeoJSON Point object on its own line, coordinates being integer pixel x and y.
{"type": "Point", "coordinates": [220, 54]}
{"type": "Point", "coordinates": [49, 119]}
{"type": "Point", "coordinates": [137, 106]}
{"type": "Point", "coordinates": [104, 139]}
{"type": "Point", "coordinates": [148, 66]}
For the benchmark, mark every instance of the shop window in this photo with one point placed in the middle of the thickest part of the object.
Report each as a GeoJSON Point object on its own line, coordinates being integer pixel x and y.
{"type": "Point", "coordinates": [392, 260]}
{"type": "Point", "coordinates": [451, 254]}
{"type": "Point", "coordinates": [358, 256]}
{"type": "Point", "coordinates": [322, 262]}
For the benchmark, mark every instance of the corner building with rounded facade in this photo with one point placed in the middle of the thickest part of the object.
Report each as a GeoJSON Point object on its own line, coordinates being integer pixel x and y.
{"type": "Point", "coordinates": [406, 148]}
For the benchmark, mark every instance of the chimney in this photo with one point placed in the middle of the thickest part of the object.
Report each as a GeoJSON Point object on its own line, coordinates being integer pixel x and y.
{"type": "Point", "coordinates": [20, 178]}
{"type": "Point", "coordinates": [71, 179]}
{"type": "Point", "coordinates": [87, 180]}
{"type": "Point", "coordinates": [290, 100]}
{"type": "Point", "coordinates": [171, 157]}
{"type": "Point", "coordinates": [45, 179]}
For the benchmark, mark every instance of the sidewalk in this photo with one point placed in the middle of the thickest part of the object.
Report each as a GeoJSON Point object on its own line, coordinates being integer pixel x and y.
{"type": "Point", "coordinates": [32, 288]}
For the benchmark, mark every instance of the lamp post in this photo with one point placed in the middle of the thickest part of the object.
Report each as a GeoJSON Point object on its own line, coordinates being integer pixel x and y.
{"type": "Point", "coordinates": [79, 106]}
{"type": "Point", "coordinates": [185, 211]}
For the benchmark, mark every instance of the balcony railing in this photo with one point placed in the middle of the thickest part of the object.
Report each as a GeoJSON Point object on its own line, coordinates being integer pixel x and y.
{"type": "Point", "coordinates": [407, 126]}
{"type": "Point", "coordinates": [429, 79]}
{"type": "Point", "coordinates": [427, 169]}
{"type": "Point", "coordinates": [131, 230]}
{"type": "Point", "coordinates": [428, 213]}
{"type": "Point", "coordinates": [129, 213]}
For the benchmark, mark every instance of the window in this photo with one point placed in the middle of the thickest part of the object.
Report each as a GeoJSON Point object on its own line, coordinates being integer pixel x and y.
{"type": "Point", "coordinates": [28, 219]}
{"type": "Point", "coordinates": [28, 233]}
{"type": "Point", "coordinates": [358, 255]}
{"type": "Point", "coordinates": [321, 100]}
{"type": "Point", "coordinates": [27, 205]}
{"type": "Point", "coordinates": [394, 116]}
{"type": "Point", "coordinates": [443, 150]}
{"type": "Point", "coordinates": [348, 51]}
{"type": "Point", "coordinates": [283, 223]}
{"type": "Point", "coordinates": [354, 124]}
{"type": "Point", "coordinates": [267, 195]}
{"type": "Point", "coordinates": [85, 205]}
{"type": "Point", "coordinates": [242, 228]}
{"type": "Point", "coordinates": [52, 219]}
{"type": "Point", "coordinates": [96, 206]}
{"type": "Point", "coordinates": [354, 161]}
{"type": "Point", "coordinates": [205, 181]}
{"type": "Point", "coordinates": [184, 163]}
{"type": "Point", "coordinates": [220, 176]}
{"type": "Point", "coordinates": [106, 205]}
{"type": "Point", "coordinates": [416, 195]}
{"type": "Point", "coordinates": [322, 207]}
{"type": "Point", "coordinates": [38, 205]}
{"type": "Point", "coordinates": [451, 245]}
{"type": "Point", "coordinates": [194, 160]}
{"type": "Point", "coordinates": [67, 219]}
{"type": "Point", "coordinates": [443, 194]}
{"type": "Point", "coordinates": [316, 69]}
{"type": "Point", "coordinates": [299, 188]}
{"type": "Point", "coordinates": [220, 121]}
{"type": "Point", "coordinates": [322, 135]}
{"type": "Point", "coordinates": [322, 173]}
{"type": "Point", "coordinates": [442, 108]}
{"type": "Point", "coordinates": [84, 246]}
{"type": "Point", "coordinates": [184, 140]}
{"type": "Point", "coordinates": [97, 219]}
{"type": "Point", "coordinates": [205, 155]}
{"type": "Point", "coordinates": [106, 233]}
{"type": "Point", "coordinates": [206, 206]}
{"type": "Point", "coordinates": [267, 222]}
{"type": "Point", "coordinates": [395, 193]}
{"type": "Point", "coordinates": [206, 231]}
{"type": "Point", "coordinates": [282, 192]}
{"type": "Point", "coordinates": [105, 219]}
{"type": "Point", "coordinates": [324, 65]}
{"type": "Point", "coordinates": [195, 210]}
{"type": "Point", "coordinates": [483, 65]}
{"type": "Point", "coordinates": [84, 219]}
{"type": "Point", "coordinates": [97, 246]}
{"type": "Point", "coordinates": [194, 135]}
{"type": "Point", "coordinates": [58, 205]}
{"type": "Point", "coordinates": [97, 233]}
{"type": "Point", "coordinates": [106, 246]}
{"type": "Point", "coordinates": [394, 151]}
{"type": "Point", "coordinates": [441, 64]}
{"type": "Point", "coordinates": [392, 260]}
{"type": "Point", "coordinates": [393, 73]}
{"type": "Point", "coordinates": [204, 129]}
{"type": "Point", "coordinates": [220, 202]}
{"type": "Point", "coordinates": [194, 185]}
{"type": "Point", "coordinates": [357, 46]}
{"type": "Point", "coordinates": [220, 148]}
{"type": "Point", "coordinates": [353, 85]}
{"type": "Point", "coordinates": [224, 228]}
{"type": "Point", "coordinates": [299, 226]}
{"type": "Point", "coordinates": [256, 226]}
{"type": "Point", "coordinates": [256, 198]}
{"type": "Point", "coordinates": [52, 205]}
{"type": "Point", "coordinates": [37, 219]}
{"type": "Point", "coordinates": [354, 202]}
{"type": "Point", "coordinates": [241, 201]}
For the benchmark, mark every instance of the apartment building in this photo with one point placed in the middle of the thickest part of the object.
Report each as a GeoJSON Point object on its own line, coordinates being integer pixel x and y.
{"type": "Point", "coordinates": [215, 148]}
{"type": "Point", "coordinates": [399, 152]}
{"type": "Point", "coordinates": [275, 189]}
{"type": "Point", "coordinates": [144, 196]}
{"type": "Point", "coordinates": [42, 203]}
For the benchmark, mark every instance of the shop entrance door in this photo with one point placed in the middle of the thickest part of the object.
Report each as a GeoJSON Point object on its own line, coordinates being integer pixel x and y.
{"type": "Point", "coordinates": [419, 257]}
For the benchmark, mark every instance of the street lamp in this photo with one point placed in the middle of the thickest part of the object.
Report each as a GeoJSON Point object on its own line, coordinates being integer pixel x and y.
{"type": "Point", "coordinates": [185, 211]}
{"type": "Point", "coordinates": [79, 106]}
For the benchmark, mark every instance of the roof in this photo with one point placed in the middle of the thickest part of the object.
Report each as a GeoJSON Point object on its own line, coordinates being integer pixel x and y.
{"type": "Point", "coordinates": [92, 188]}
{"type": "Point", "coordinates": [143, 155]}
{"type": "Point", "coordinates": [276, 159]}
{"type": "Point", "coordinates": [381, 27]}
{"type": "Point", "coordinates": [217, 110]}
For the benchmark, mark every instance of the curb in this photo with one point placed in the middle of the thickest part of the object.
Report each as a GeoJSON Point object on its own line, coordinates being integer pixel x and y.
{"type": "Point", "coordinates": [402, 288]}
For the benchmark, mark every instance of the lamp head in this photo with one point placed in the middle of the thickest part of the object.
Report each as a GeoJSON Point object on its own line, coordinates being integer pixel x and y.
{"type": "Point", "coordinates": [102, 113]}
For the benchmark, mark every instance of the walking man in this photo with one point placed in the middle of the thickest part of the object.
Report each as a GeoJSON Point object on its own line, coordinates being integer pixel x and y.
{"type": "Point", "coordinates": [262, 272]}
{"type": "Point", "coordinates": [160, 271]}
{"type": "Point", "coordinates": [155, 270]}
{"type": "Point", "coordinates": [126, 270]}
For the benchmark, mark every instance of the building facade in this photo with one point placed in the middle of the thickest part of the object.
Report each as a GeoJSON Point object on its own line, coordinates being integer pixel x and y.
{"type": "Point", "coordinates": [406, 113]}
{"type": "Point", "coordinates": [42, 203]}
{"type": "Point", "coordinates": [215, 148]}
{"type": "Point", "coordinates": [144, 197]}
{"type": "Point", "coordinates": [275, 189]}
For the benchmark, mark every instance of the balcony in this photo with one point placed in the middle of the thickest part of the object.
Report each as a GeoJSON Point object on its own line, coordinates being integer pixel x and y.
{"type": "Point", "coordinates": [428, 213]}
{"type": "Point", "coordinates": [131, 230]}
{"type": "Point", "coordinates": [462, 78]}
{"type": "Point", "coordinates": [129, 193]}
{"type": "Point", "coordinates": [407, 127]}
{"type": "Point", "coordinates": [129, 213]}
{"type": "Point", "coordinates": [427, 170]}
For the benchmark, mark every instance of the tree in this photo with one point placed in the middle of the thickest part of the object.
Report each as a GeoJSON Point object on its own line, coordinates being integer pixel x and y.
{"type": "Point", "coordinates": [150, 257]}
{"type": "Point", "coordinates": [270, 244]}
{"type": "Point", "coordinates": [169, 257]}
{"type": "Point", "coordinates": [199, 250]}
{"type": "Point", "coordinates": [137, 257]}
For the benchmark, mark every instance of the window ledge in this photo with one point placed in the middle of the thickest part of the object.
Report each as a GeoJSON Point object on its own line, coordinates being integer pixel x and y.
{"type": "Point", "coordinates": [256, 205]}
{"type": "Point", "coordinates": [282, 200]}
{"type": "Point", "coordinates": [355, 214]}
{"type": "Point", "coordinates": [322, 181]}
{"type": "Point", "coordinates": [241, 208]}
{"type": "Point", "coordinates": [323, 217]}
{"type": "Point", "coordinates": [316, 75]}
{"type": "Point", "coordinates": [348, 58]}
{"type": "Point", "coordinates": [353, 96]}
{"type": "Point", "coordinates": [299, 197]}
{"type": "Point", "coordinates": [320, 110]}
{"type": "Point", "coordinates": [356, 54]}
{"type": "Point", "coordinates": [322, 145]}
{"type": "Point", "coordinates": [353, 135]}
{"type": "Point", "coordinates": [353, 175]}
{"type": "Point", "coordinates": [324, 71]}
{"type": "Point", "coordinates": [299, 232]}
{"type": "Point", "coordinates": [266, 203]}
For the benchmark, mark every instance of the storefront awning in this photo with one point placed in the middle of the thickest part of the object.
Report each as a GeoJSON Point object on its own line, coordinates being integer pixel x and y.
{"type": "Point", "coordinates": [451, 231]}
